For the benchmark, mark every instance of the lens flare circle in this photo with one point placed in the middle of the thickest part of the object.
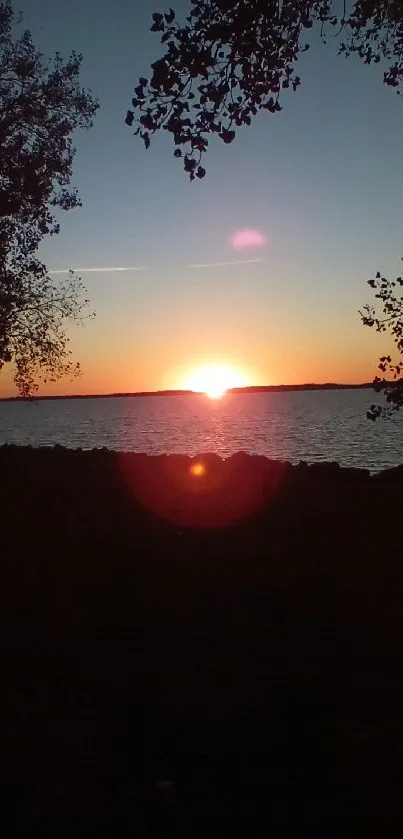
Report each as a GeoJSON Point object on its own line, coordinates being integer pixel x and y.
{"type": "Point", "coordinates": [197, 470]}
{"type": "Point", "coordinates": [246, 238]}
{"type": "Point", "coordinates": [204, 491]}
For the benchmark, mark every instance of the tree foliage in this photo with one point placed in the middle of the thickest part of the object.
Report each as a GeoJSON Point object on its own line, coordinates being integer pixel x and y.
{"type": "Point", "coordinates": [41, 105]}
{"type": "Point", "coordinates": [387, 317]}
{"type": "Point", "coordinates": [233, 58]}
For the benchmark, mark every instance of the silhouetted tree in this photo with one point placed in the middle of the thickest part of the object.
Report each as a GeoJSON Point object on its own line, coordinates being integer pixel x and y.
{"type": "Point", "coordinates": [233, 58]}
{"type": "Point", "coordinates": [387, 317]}
{"type": "Point", "coordinates": [41, 105]}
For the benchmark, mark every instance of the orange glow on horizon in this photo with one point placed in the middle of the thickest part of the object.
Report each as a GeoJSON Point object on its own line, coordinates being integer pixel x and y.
{"type": "Point", "coordinates": [214, 380]}
{"type": "Point", "coordinates": [274, 360]}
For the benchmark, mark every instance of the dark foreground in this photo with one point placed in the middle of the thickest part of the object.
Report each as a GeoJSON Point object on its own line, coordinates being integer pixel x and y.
{"type": "Point", "coordinates": [255, 663]}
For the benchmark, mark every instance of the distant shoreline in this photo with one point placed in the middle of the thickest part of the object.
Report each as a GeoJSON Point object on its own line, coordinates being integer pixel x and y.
{"type": "Point", "coordinates": [137, 394]}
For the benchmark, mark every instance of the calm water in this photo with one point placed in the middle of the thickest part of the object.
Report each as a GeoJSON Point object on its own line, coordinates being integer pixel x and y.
{"type": "Point", "coordinates": [310, 425]}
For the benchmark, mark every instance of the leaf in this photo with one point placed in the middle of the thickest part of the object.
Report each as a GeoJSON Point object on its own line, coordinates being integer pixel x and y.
{"type": "Point", "coordinates": [189, 164]}
{"type": "Point", "coordinates": [227, 136]}
{"type": "Point", "coordinates": [200, 172]}
{"type": "Point", "coordinates": [147, 121]}
{"type": "Point", "coordinates": [170, 16]}
{"type": "Point", "coordinates": [129, 118]}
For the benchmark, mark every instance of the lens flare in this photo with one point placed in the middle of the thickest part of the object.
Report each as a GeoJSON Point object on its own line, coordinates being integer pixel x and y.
{"type": "Point", "coordinates": [198, 470]}
{"type": "Point", "coordinates": [247, 238]}
{"type": "Point", "coordinates": [202, 492]}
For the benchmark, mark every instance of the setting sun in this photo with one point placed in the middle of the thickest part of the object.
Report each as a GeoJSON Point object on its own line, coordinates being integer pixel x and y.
{"type": "Point", "coordinates": [214, 380]}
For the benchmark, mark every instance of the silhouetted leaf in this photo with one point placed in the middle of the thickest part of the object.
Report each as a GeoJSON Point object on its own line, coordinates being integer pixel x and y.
{"type": "Point", "coordinates": [227, 136]}
{"type": "Point", "coordinates": [190, 164]}
{"type": "Point", "coordinates": [147, 121]}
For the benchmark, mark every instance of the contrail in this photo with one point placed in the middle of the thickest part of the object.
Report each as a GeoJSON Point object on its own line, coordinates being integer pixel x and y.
{"type": "Point", "coordinates": [219, 264]}
{"type": "Point", "coordinates": [101, 270]}
{"type": "Point", "coordinates": [110, 270]}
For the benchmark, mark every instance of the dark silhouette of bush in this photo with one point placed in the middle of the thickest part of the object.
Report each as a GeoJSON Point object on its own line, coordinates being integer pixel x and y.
{"type": "Point", "coordinates": [256, 665]}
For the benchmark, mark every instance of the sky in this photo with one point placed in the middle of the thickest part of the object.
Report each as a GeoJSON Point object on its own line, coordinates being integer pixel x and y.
{"type": "Point", "coordinates": [321, 181]}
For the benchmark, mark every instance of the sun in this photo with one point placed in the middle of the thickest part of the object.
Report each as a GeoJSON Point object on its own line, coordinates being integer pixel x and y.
{"type": "Point", "coordinates": [214, 380]}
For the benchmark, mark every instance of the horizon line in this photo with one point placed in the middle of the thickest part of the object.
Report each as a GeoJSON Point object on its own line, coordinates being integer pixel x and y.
{"type": "Point", "coordinates": [187, 392]}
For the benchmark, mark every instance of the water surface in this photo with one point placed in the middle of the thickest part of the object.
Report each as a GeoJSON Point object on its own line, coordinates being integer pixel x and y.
{"type": "Point", "coordinates": [300, 425]}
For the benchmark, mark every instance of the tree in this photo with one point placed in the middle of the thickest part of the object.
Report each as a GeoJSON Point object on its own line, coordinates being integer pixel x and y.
{"type": "Point", "coordinates": [41, 105]}
{"type": "Point", "coordinates": [389, 318]}
{"type": "Point", "coordinates": [233, 58]}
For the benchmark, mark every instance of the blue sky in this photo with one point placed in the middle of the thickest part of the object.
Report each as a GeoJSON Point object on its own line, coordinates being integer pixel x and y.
{"type": "Point", "coordinates": [322, 180]}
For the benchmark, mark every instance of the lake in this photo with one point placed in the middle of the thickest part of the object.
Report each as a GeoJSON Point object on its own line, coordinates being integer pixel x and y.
{"type": "Point", "coordinates": [305, 425]}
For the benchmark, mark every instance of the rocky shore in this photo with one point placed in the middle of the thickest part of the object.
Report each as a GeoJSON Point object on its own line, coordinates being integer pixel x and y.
{"type": "Point", "coordinates": [198, 647]}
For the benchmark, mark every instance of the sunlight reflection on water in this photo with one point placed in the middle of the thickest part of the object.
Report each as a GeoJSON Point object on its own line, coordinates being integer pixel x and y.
{"type": "Point", "coordinates": [311, 426]}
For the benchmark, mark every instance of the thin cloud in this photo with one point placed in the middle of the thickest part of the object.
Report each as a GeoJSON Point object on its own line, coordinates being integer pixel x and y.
{"type": "Point", "coordinates": [220, 264]}
{"type": "Point", "coordinates": [101, 270]}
